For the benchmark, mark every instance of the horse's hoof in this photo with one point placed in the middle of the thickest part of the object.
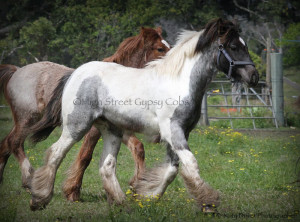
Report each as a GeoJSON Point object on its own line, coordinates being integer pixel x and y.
{"type": "Point", "coordinates": [209, 209]}
{"type": "Point", "coordinates": [73, 197]}
{"type": "Point", "coordinates": [35, 206]}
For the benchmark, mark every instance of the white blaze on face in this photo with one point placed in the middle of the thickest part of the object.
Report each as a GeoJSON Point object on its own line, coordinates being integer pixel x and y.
{"type": "Point", "coordinates": [242, 41]}
{"type": "Point", "coordinates": [165, 43]}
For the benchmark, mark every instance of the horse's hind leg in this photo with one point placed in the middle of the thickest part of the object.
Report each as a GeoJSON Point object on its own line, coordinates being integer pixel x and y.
{"type": "Point", "coordinates": [112, 141]}
{"type": "Point", "coordinates": [137, 150]}
{"type": "Point", "coordinates": [73, 183]}
{"type": "Point", "coordinates": [14, 143]}
{"type": "Point", "coordinates": [43, 178]}
{"type": "Point", "coordinates": [154, 182]}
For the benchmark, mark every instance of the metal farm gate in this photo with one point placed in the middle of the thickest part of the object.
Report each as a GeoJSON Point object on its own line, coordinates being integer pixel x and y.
{"type": "Point", "coordinates": [237, 102]}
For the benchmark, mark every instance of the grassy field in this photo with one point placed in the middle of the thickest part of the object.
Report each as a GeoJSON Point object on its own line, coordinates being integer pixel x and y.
{"type": "Point", "coordinates": [255, 172]}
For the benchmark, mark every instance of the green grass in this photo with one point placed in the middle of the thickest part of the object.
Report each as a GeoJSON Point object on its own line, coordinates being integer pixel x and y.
{"type": "Point", "coordinates": [254, 171]}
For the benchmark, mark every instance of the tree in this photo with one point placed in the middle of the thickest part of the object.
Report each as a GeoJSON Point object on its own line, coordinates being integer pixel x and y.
{"type": "Point", "coordinates": [291, 43]}
{"type": "Point", "coordinates": [36, 37]}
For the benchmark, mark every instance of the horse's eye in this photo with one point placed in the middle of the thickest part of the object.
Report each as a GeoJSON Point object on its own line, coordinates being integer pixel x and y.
{"type": "Point", "coordinates": [160, 50]}
{"type": "Point", "coordinates": [233, 47]}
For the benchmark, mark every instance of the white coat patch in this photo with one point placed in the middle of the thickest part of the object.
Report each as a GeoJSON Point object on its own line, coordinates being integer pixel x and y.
{"type": "Point", "coordinates": [165, 43]}
{"type": "Point", "coordinates": [242, 41]}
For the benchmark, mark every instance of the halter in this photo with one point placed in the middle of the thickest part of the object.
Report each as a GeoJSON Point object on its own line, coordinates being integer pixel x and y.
{"type": "Point", "coordinates": [232, 62]}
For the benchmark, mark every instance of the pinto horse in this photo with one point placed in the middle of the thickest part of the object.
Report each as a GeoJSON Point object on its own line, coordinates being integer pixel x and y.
{"type": "Point", "coordinates": [29, 89]}
{"type": "Point", "coordinates": [178, 80]}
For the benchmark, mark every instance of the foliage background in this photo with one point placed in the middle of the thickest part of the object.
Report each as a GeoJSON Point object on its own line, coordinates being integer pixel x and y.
{"type": "Point", "coordinates": [72, 32]}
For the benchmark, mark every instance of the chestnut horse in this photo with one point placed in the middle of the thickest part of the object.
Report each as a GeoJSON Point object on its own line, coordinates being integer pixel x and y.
{"type": "Point", "coordinates": [28, 91]}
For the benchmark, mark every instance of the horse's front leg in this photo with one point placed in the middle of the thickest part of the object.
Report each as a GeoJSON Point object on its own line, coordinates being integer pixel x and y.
{"type": "Point", "coordinates": [206, 197]}
{"type": "Point", "coordinates": [153, 182]}
{"type": "Point", "coordinates": [111, 146]}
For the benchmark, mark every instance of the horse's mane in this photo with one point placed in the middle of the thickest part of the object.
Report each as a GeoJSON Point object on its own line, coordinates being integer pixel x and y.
{"type": "Point", "coordinates": [190, 43]}
{"type": "Point", "coordinates": [218, 28]}
{"type": "Point", "coordinates": [173, 61]}
{"type": "Point", "coordinates": [125, 49]}
{"type": "Point", "coordinates": [131, 44]}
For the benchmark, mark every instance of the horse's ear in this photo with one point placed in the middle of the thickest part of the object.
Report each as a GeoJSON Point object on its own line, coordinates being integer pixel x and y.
{"type": "Point", "coordinates": [235, 22]}
{"type": "Point", "coordinates": [144, 32]}
{"type": "Point", "coordinates": [209, 35]}
{"type": "Point", "coordinates": [159, 30]}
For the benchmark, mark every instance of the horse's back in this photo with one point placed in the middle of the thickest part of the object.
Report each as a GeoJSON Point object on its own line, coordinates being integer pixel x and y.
{"type": "Point", "coordinates": [31, 86]}
{"type": "Point", "coordinates": [113, 92]}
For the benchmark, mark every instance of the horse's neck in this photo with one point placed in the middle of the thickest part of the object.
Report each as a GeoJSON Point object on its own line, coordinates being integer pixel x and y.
{"type": "Point", "coordinates": [134, 59]}
{"type": "Point", "coordinates": [201, 75]}
{"type": "Point", "coordinates": [138, 58]}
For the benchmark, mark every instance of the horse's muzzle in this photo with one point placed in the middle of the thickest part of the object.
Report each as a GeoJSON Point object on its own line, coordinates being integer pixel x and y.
{"type": "Point", "coordinates": [248, 75]}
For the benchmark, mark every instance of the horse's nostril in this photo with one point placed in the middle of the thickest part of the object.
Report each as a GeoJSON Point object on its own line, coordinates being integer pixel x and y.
{"type": "Point", "coordinates": [254, 79]}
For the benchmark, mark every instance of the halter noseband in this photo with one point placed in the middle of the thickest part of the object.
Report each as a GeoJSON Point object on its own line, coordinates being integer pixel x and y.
{"type": "Point", "coordinates": [232, 62]}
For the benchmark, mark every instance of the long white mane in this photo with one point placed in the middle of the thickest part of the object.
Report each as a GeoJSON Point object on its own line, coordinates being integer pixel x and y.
{"type": "Point", "coordinates": [172, 63]}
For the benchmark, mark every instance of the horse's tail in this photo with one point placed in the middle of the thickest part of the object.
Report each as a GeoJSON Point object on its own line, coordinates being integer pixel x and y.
{"type": "Point", "coordinates": [52, 114]}
{"type": "Point", "coordinates": [6, 72]}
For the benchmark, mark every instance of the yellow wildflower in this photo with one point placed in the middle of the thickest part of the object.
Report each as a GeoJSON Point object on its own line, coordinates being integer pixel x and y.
{"type": "Point", "coordinates": [141, 205]}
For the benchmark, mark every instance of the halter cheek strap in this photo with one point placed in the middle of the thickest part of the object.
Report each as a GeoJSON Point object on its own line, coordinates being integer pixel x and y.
{"type": "Point", "coordinates": [232, 62]}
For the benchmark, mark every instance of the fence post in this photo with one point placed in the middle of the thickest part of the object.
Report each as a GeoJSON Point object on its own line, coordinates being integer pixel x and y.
{"type": "Point", "coordinates": [204, 117]}
{"type": "Point", "coordinates": [268, 65]}
{"type": "Point", "coordinates": [277, 87]}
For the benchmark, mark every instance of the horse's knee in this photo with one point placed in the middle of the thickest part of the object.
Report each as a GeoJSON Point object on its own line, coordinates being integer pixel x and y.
{"type": "Point", "coordinates": [12, 145]}
{"type": "Point", "coordinates": [107, 168]}
{"type": "Point", "coordinates": [27, 172]}
{"type": "Point", "coordinates": [110, 181]}
{"type": "Point", "coordinates": [15, 144]}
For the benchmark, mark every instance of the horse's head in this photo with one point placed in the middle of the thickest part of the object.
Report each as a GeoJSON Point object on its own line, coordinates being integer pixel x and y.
{"type": "Point", "coordinates": [232, 55]}
{"type": "Point", "coordinates": [138, 50]}
{"type": "Point", "coordinates": [154, 44]}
